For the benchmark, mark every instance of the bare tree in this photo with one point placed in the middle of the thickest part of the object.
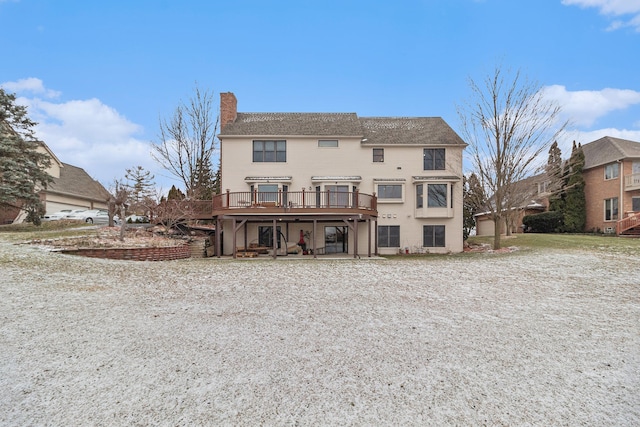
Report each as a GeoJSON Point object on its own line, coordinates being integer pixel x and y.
{"type": "Point", "coordinates": [507, 122]}
{"type": "Point", "coordinates": [187, 141]}
{"type": "Point", "coordinates": [118, 204]}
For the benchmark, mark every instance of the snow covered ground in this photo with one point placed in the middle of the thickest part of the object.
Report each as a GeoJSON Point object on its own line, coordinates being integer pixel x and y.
{"type": "Point", "coordinates": [527, 338]}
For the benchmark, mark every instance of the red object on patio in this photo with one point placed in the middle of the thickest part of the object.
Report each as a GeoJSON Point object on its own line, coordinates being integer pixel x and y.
{"type": "Point", "coordinates": [301, 241]}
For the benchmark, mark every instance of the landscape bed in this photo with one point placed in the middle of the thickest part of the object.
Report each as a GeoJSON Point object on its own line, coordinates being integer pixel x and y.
{"type": "Point", "coordinates": [532, 337]}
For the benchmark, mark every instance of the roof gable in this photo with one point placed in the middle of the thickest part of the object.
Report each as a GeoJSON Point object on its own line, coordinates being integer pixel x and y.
{"type": "Point", "coordinates": [409, 130]}
{"type": "Point", "coordinates": [609, 149]}
{"type": "Point", "coordinates": [75, 181]}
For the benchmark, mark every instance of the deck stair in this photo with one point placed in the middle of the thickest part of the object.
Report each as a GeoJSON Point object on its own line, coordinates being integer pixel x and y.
{"type": "Point", "coordinates": [629, 226]}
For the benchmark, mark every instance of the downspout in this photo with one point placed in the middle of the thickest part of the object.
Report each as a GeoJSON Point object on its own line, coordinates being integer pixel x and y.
{"type": "Point", "coordinates": [621, 207]}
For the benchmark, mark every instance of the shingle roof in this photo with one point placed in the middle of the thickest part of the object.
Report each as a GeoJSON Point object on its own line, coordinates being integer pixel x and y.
{"type": "Point", "coordinates": [288, 124]}
{"type": "Point", "coordinates": [609, 149]}
{"type": "Point", "coordinates": [75, 181]}
{"type": "Point", "coordinates": [409, 130]}
{"type": "Point", "coordinates": [373, 130]}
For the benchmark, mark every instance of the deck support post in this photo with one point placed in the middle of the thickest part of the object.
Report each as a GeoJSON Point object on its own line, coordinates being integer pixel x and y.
{"type": "Point", "coordinates": [369, 237]}
{"type": "Point", "coordinates": [355, 237]}
{"type": "Point", "coordinates": [235, 233]}
{"type": "Point", "coordinates": [313, 238]}
{"type": "Point", "coordinates": [275, 239]}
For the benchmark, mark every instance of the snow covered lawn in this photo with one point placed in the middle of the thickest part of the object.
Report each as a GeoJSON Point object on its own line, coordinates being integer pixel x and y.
{"type": "Point", "coordinates": [527, 338]}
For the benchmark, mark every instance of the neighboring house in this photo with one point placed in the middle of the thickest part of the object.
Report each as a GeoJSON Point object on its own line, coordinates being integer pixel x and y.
{"type": "Point", "coordinates": [338, 183]}
{"type": "Point", "coordinates": [612, 188]}
{"type": "Point", "coordinates": [533, 198]}
{"type": "Point", "coordinates": [612, 184]}
{"type": "Point", "coordinates": [72, 188]}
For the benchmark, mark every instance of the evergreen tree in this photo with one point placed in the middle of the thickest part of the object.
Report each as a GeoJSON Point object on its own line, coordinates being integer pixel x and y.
{"type": "Point", "coordinates": [556, 178]}
{"type": "Point", "coordinates": [22, 167]}
{"type": "Point", "coordinates": [140, 185]}
{"type": "Point", "coordinates": [175, 194]}
{"type": "Point", "coordinates": [575, 202]}
{"type": "Point", "coordinates": [218, 178]}
{"type": "Point", "coordinates": [203, 181]}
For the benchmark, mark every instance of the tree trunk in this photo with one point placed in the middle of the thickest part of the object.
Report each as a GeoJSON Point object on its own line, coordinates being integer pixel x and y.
{"type": "Point", "coordinates": [508, 223]}
{"type": "Point", "coordinates": [497, 231]}
{"type": "Point", "coordinates": [123, 223]}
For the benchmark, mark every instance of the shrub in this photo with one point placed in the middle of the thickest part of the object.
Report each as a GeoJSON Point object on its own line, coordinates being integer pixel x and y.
{"type": "Point", "coordinates": [545, 222]}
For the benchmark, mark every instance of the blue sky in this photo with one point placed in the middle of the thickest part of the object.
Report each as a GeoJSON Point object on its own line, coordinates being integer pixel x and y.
{"type": "Point", "coordinates": [97, 76]}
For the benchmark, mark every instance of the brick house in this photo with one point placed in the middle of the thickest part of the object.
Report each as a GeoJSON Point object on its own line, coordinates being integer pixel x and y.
{"type": "Point", "coordinates": [612, 188]}
{"type": "Point", "coordinates": [532, 192]}
{"type": "Point", "coordinates": [612, 183]}
{"type": "Point", "coordinates": [338, 183]}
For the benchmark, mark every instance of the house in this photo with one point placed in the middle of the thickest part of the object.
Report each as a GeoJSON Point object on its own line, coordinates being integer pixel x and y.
{"type": "Point", "coordinates": [612, 188]}
{"type": "Point", "coordinates": [612, 184]}
{"type": "Point", "coordinates": [533, 198]}
{"type": "Point", "coordinates": [337, 183]}
{"type": "Point", "coordinates": [72, 188]}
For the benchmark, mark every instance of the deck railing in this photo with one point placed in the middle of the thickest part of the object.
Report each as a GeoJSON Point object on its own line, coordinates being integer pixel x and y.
{"type": "Point", "coordinates": [627, 223]}
{"type": "Point", "coordinates": [632, 181]}
{"type": "Point", "coordinates": [295, 200]}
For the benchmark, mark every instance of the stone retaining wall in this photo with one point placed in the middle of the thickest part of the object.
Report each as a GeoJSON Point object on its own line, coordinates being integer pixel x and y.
{"type": "Point", "coordinates": [167, 253]}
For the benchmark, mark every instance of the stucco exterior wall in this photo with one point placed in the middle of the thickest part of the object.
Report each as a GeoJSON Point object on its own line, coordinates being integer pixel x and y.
{"type": "Point", "coordinates": [305, 159]}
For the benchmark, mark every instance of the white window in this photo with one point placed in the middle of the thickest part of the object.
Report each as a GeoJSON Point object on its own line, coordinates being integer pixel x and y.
{"type": "Point", "coordinates": [327, 143]}
{"type": "Point", "coordinates": [611, 209]}
{"type": "Point", "coordinates": [434, 199]}
{"type": "Point", "coordinates": [437, 195]}
{"type": "Point", "coordinates": [611, 171]}
{"type": "Point", "coordinates": [390, 192]}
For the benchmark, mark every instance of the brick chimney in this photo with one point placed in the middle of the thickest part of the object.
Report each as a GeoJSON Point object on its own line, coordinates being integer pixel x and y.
{"type": "Point", "coordinates": [228, 109]}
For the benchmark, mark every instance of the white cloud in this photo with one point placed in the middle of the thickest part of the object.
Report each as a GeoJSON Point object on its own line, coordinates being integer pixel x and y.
{"type": "Point", "coordinates": [31, 85]}
{"type": "Point", "coordinates": [613, 8]}
{"type": "Point", "coordinates": [584, 108]}
{"type": "Point", "coordinates": [85, 133]}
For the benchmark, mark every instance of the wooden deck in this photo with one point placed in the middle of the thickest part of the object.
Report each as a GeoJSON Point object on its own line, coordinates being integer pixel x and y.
{"type": "Point", "coordinates": [294, 203]}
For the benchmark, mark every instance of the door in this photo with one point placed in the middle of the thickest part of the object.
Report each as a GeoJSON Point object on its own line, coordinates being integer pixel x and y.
{"type": "Point", "coordinates": [338, 195]}
{"type": "Point", "coordinates": [265, 236]}
{"type": "Point", "coordinates": [335, 240]}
